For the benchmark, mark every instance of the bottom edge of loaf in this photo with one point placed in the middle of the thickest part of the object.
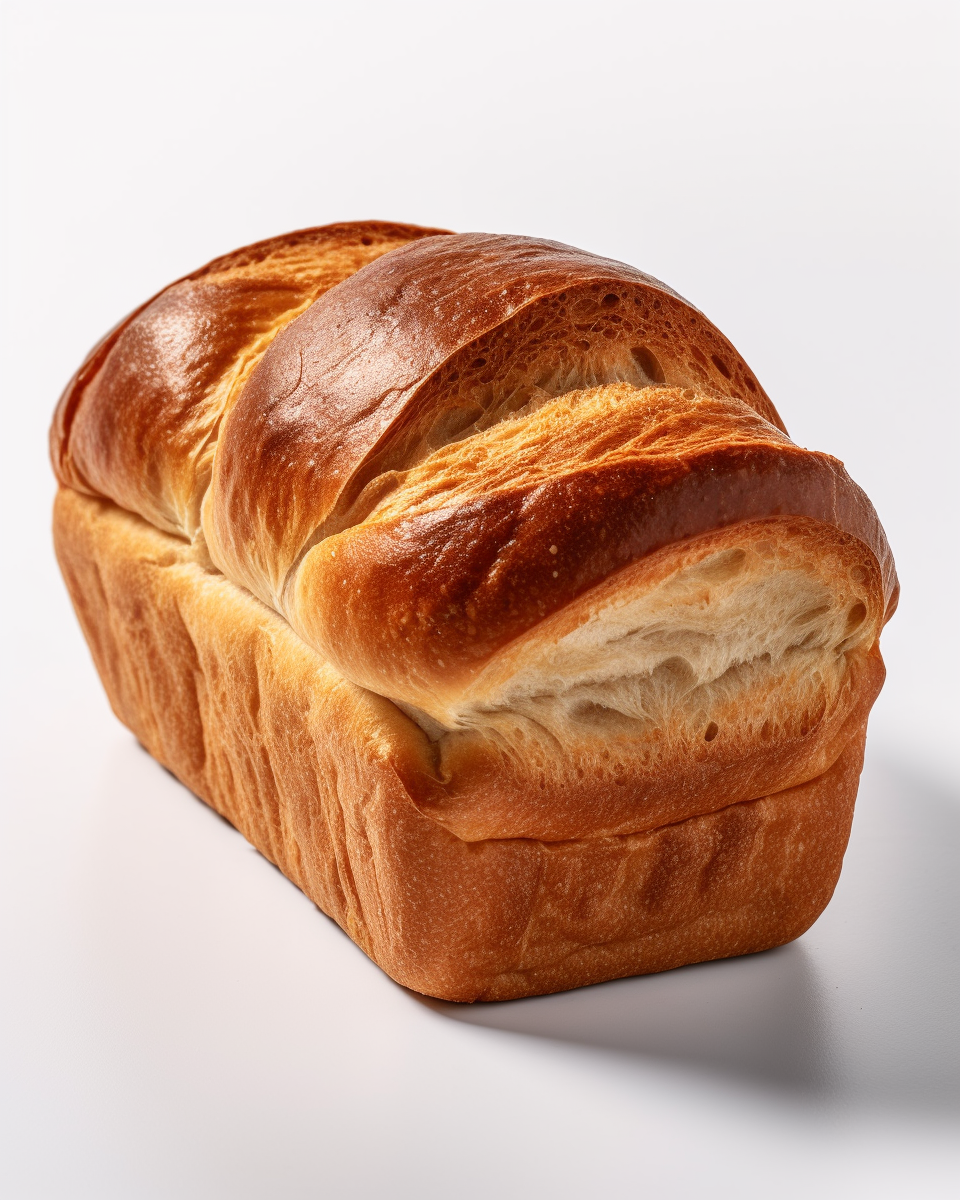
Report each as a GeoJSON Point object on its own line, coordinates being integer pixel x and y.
{"type": "Point", "coordinates": [315, 773]}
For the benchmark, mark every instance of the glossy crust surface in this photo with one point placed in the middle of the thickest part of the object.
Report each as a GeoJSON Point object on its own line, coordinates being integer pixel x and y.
{"type": "Point", "coordinates": [139, 421]}
{"type": "Point", "coordinates": [502, 545]}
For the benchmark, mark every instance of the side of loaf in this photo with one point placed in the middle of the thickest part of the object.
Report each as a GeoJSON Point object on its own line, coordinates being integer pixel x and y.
{"type": "Point", "coordinates": [476, 580]}
{"type": "Point", "coordinates": [322, 777]}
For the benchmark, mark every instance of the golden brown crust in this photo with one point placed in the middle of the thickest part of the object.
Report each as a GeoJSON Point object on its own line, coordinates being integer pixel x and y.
{"type": "Point", "coordinates": [536, 500]}
{"type": "Point", "coordinates": [483, 559]}
{"type": "Point", "coordinates": [756, 720]}
{"type": "Point", "coordinates": [362, 380]}
{"type": "Point", "coordinates": [319, 775]}
{"type": "Point", "coordinates": [138, 421]}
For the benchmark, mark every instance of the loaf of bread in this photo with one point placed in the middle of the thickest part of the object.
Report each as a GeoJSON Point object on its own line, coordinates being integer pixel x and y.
{"type": "Point", "coordinates": [477, 582]}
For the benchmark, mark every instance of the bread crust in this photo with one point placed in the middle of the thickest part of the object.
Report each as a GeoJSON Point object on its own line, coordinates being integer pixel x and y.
{"type": "Point", "coordinates": [476, 580]}
{"type": "Point", "coordinates": [323, 777]}
{"type": "Point", "coordinates": [345, 392]}
{"type": "Point", "coordinates": [139, 420]}
{"type": "Point", "coordinates": [462, 577]}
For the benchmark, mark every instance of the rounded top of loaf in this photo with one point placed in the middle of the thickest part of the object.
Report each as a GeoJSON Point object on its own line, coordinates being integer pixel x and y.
{"type": "Point", "coordinates": [138, 422]}
{"type": "Point", "coordinates": [432, 343]}
{"type": "Point", "coordinates": [420, 446]}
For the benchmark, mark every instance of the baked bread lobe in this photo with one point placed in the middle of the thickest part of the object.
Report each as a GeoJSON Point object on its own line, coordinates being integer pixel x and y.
{"type": "Point", "coordinates": [535, 510]}
{"type": "Point", "coordinates": [140, 419]}
{"type": "Point", "coordinates": [424, 348]}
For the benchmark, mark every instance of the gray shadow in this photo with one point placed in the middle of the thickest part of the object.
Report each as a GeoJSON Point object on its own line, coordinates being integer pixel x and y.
{"type": "Point", "coordinates": [861, 1012]}
{"type": "Point", "coordinates": [758, 1019]}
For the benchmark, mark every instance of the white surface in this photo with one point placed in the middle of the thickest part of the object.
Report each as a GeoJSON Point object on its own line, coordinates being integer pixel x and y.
{"type": "Point", "coordinates": [177, 1019]}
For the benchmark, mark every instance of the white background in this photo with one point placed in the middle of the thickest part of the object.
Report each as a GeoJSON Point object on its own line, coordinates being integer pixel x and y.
{"type": "Point", "coordinates": [178, 1020]}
